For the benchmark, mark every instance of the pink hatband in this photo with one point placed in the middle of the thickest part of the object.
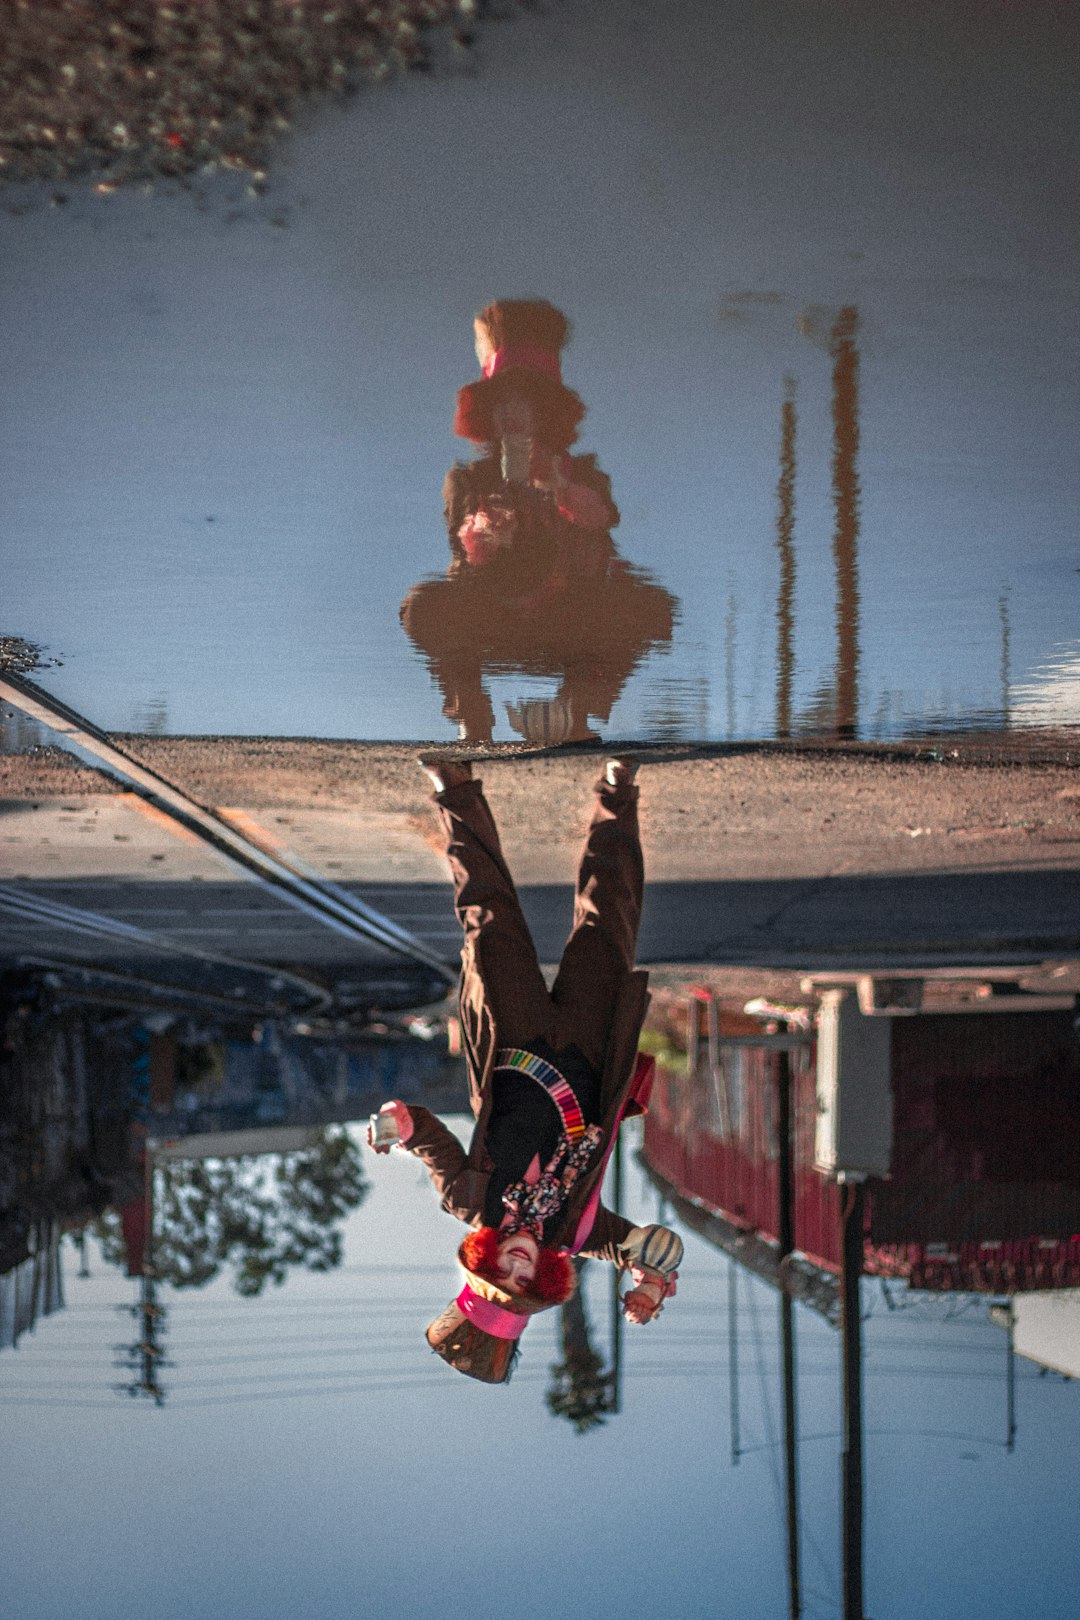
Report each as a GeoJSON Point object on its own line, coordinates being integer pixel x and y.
{"type": "Point", "coordinates": [489, 1317]}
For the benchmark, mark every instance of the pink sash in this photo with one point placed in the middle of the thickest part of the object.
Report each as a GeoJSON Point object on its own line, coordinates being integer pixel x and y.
{"type": "Point", "coordinates": [640, 1089]}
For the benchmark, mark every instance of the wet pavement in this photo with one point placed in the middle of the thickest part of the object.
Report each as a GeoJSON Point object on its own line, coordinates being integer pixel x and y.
{"type": "Point", "coordinates": [786, 516]}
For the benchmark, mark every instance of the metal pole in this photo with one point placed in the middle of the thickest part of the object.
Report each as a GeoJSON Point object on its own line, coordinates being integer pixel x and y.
{"type": "Point", "coordinates": [763, 1043]}
{"type": "Point", "coordinates": [616, 1343]}
{"type": "Point", "coordinates": [785, 1156]}
{"type": "Point", "coordinates": [616, 1175]}
{"type": "Point", "coordinates": [851, 1548]}
{"type": "Point", "coordinates": [786, 1232]}
{"type": "Point", "coordinates": [616, 1307]}
{"type": "Point", "coordinates": [1010, 1381]}
{"type": "Point", "coordinates": [733, 1358]}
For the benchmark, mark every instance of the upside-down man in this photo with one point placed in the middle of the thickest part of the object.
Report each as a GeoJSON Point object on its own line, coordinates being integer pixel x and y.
{"type": "Point", "coordinates": [551, 1077]}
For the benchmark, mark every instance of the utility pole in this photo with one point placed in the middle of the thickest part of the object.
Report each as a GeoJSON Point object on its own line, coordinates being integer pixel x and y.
{"type": "Point", "coordinates": [851, 1547]}
{"type": "Point", "coordinates": [1010, 1379]}
{"type": "Point", "coordinates": [146, 1356]}
{"type": "Point", "coordinates": [786, 1234]}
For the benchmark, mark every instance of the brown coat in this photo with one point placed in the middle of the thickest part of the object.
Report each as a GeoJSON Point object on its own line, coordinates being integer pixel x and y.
{"type": "Point", "coordinates": [469, 484]}
{"type": "Point", "coordinates": [607, 909]}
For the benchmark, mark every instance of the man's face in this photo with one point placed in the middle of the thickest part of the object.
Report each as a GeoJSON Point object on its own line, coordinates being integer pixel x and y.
{"type": "Point", "coordinates": [484, 346]}
{"type": "Point", "coordinates": [518, 1254]}
{"type": "Point", "coordinates": [514, 417]}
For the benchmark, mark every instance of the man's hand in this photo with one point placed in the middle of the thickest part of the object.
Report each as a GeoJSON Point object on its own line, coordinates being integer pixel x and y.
{"type": "Point", "coordinates": [641, 1304]}
{"type": "Point", "coordinates": [486, 532]}
{"type": "Point", "coordinates": [403, 1120]}
{"type": "Point", "coordinates": [645, 1301]}
{"type": "Point", "coordinates": [581, 505]}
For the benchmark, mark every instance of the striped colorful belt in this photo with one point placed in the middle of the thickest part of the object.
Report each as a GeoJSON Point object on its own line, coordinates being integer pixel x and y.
{"type": "Point", "coordinates": [556, 1086]}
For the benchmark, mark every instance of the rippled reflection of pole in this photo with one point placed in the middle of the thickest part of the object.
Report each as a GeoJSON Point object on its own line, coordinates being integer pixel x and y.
{"type": "Point", "coordinates": [845, 407]}
{"type": "Point", "coordinates": [785, 544]}
{"type": "Point", "coordinates": [729, 664]}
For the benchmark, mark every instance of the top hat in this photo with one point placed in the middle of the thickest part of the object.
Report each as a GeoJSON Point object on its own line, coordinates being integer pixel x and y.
{"type": "Point", "coordinates": [478, 1332]}
{"type": "Point", "coordinates": [523, 339]}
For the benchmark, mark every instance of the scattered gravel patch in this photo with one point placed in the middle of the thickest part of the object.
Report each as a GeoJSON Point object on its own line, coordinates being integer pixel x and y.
{"type": "Point", "coordinates": [19, 657]}
{"type": "Point", "coordinates": [130, 91]}
{"type": "Point", "coordinates": [48, 773]}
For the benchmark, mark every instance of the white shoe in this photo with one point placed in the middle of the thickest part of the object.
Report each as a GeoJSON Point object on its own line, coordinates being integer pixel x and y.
{"type": "Point", "coordinates": [620, 772]}
{"type": "Point", "coordinates": [445, 774]}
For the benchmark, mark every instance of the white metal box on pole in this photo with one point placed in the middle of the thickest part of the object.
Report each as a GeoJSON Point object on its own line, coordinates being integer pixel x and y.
{"type": "Point", "coordinates": [854, 1092]}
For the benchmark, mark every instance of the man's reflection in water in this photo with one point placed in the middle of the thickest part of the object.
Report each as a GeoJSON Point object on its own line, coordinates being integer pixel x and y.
{"type": "Point", "coordinates": [552, 1075]}
{"type": "Point", "coordinates": [535, 582]}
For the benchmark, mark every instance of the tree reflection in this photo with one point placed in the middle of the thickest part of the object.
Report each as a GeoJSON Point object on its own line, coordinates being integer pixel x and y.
{"type": "Point", "coordinates": [258, 1220]}
{"type": "Point", "coordinates": [581, 1390]}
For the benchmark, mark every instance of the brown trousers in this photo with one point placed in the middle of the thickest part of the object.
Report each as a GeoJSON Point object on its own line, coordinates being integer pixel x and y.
{"type": "Point", "coordinates": [599, 953]}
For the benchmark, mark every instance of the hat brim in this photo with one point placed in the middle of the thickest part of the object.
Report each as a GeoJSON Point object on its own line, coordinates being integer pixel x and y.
{"type": "Point", "coordinates": [469, 1350]}
{"type": "Point", "coordinates": [558, 409]}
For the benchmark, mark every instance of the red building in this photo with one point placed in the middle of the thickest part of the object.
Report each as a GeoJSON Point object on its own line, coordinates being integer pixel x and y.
{"type": "Point", "coordinates": [983, 1185]}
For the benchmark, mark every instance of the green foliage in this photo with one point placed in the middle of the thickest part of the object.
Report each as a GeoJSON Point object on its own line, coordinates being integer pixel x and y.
{"type": "Point", "coordinates": [256, 1219]}
{"type": "Point", "coordinates": [660, 1044]}
{"type": "Point", "coordinates": [109, 1233]}
{"type": "Point", "coordinates": [581, 1391]}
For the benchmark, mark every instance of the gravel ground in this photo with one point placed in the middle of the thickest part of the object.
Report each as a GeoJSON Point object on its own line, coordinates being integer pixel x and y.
{"type": "Point", "coordinates": [48, 773]}
{"type": "Point", "coordinates": [763, 855]}
{"type": "Point", "coordinates": [742, 812]}
{"type": "Point", "coordinates": [133, 91]}
{"type": "Point", "coordinates": [707, 814]}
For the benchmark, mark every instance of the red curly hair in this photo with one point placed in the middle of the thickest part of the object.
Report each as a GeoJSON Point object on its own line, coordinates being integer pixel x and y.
{"type": "Point", "coordinates": [555, 1278]}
